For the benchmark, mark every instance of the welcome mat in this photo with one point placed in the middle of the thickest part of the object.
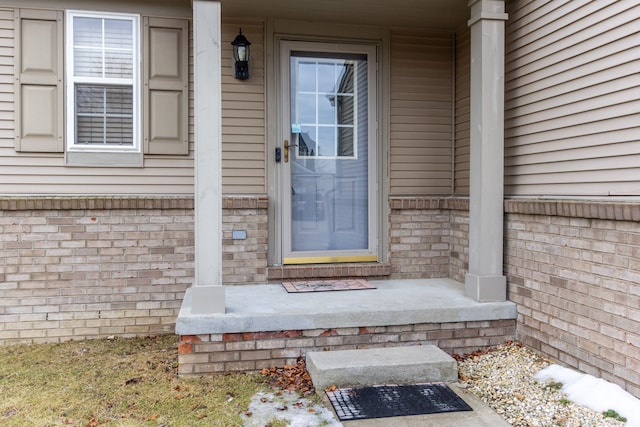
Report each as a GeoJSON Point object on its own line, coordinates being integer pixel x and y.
{"type": "Point", "coordinates": [394, 401]}
{"type": "Point", "coordinates": [327, 285]}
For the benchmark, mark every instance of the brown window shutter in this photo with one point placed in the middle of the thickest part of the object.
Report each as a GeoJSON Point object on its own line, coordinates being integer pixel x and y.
{"type": "Point", "coordinates": [38, 85]}
{"type": "Point", "coordinates": [166, 86]}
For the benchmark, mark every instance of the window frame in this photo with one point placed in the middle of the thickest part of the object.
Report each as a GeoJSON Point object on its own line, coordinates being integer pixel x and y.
{"type": "Point", "coordinates": [71, 81]}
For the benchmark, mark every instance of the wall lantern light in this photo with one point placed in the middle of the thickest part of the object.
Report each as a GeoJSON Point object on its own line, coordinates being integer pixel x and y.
{"type": "Point", "coordinates": [241, 56]}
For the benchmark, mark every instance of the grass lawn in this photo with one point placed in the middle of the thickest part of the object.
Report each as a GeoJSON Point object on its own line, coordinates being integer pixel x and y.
{"type": "Point", "coordinates": [120, 382]}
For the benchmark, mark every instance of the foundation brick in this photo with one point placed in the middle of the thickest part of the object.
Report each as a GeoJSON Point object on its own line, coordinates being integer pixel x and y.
{"type": "Point", "coordinates": [413, 336]}
{"type": "Point", "coordinates": [360, 339]}
{"type": "Point", "coordinates": [286, 353]}
{"type": "Point", "coordinates": [572, 267]}
{"type": "Point", "coordinates": [207, 368]}
{"type": "Point", "coordinates": [185, 348]}
{"type": "Point", "coordinates": [580, 313]}
{"type": "Point", "coordinates": [329, 341]}
{"type": "Point", "coordinates": [138, 246]}
{"type": "Point", "coordinates": [240, 345]}
{"type": "Point", "coordinates": [248, 365]}
{"type": "Point", "coordinates": [300, 342]}
{"type": "Point", "coordinates": [257, 353]}
{"type": "Point", "coordinates": [270, 344]}
{"type": "Point", "coordinates": [221, 356]}
{"type": "Point", "coordinates": [375, 339]}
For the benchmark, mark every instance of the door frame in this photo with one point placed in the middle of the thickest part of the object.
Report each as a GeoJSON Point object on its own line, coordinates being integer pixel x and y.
{"type": "Point", "coordinates": [370, 254]}
{"type": "Point", "coordinates": [278, 31]}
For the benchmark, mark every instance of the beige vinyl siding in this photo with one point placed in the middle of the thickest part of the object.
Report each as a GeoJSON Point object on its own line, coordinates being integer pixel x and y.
{"type": "Point", "coordinates": [572, 104]}
{"type": "Point", "coordinates": [6, 81]}
{"type": "Point", "coordinates": [243, 114]}
{"type": "Point", "coordinates": [421, 113]}
{"type": "Point", "coordinates": [46, 173]}
{"type": "Point", "coordinates": [463, 112]}
{"type": "Point", "coordinates": [243, 137]}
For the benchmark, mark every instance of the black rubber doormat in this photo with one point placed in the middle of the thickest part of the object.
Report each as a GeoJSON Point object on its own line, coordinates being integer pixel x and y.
{"type": "Point", "coordinates": [394, 401]}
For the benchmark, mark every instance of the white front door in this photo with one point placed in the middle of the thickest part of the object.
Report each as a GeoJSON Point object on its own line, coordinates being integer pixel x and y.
{"type": "Point", "coordinates": [329, 153]}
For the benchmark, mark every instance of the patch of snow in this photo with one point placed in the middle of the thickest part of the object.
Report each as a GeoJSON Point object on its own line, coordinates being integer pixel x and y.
{"type": "Point", "coordinates": [595, 393]}
{"type": "Point", "coordinates": [297, 411]}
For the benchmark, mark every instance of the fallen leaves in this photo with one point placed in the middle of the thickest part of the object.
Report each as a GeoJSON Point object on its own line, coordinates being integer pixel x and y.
{"type": "Point", "coordinates": [482, 352]}
{"type": "Point", "coordinates": [131, 381]}
{"type": "Point", "coordinates": [291, 377]}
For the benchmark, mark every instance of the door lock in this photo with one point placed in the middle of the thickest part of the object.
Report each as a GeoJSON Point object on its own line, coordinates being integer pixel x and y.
{"type": "Point", "coordinates": [286, 149]}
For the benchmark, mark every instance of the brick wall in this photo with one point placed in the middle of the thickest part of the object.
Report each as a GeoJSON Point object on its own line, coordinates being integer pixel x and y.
{"type": "Point", "coordinates": [244, 260]}
{"type": "Point", "coordinates": [98, 266]}
{"type": "Point", "coordinates": [428, 237]}
{"type": "Point", "coordinates": [573, 268]}
{"type": "Point", "coordinates": [83, 268]}
{"type": "Point", "coordinates": [459, 244]}
{"type": "Point", "coordinates": [87, 267]}
{"type": "Point", "coordinates": [256, 350]}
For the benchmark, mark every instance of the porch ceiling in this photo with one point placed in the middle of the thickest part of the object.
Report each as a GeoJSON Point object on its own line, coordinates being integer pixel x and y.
{"type": "Point", "coordinates": [432, 14]}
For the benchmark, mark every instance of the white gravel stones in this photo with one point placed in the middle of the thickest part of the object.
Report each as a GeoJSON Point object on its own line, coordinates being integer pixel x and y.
{"type": "Point", "coordinates": [503, 378]}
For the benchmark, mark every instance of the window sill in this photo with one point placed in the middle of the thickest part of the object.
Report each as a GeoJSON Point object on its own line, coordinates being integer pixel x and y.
{"type": "Point", "coordinates": [103, 159]}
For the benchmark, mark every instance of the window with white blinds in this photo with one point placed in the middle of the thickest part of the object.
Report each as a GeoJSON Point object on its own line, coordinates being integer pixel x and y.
{"type": "Point", "coordinates": [102, 81]}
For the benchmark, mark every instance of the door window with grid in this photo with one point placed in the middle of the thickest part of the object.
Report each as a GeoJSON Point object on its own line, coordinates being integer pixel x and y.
{"type": "Point", "coordinates": [324, 114]}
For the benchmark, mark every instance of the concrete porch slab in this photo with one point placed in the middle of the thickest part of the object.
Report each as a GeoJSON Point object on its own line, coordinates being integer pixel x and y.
{"type": "Point", "coordinates": [256, 308]}
{"type": "Point", "coordinates": [388, 365]}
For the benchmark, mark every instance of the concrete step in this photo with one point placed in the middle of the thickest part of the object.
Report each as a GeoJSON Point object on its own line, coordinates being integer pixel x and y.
{"type": "Point", "coordinates": [389, 365]}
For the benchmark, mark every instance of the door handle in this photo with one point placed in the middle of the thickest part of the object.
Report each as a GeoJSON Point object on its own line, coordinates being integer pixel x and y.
{"type": "Point", "coordinates": [286, 149]}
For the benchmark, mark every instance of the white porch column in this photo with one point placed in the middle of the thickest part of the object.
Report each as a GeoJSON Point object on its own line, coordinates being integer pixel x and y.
{"type": "Point", "coordinates": [207, 291]}
{"type": "Point", "coordinates": [485, 280]}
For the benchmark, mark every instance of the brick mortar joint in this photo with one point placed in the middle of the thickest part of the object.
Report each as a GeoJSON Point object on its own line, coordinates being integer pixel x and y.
{"type": "Point", "coordinates": [585, 209]}
{"type": "Point", "coordinates": [453, 203]}
{"type": "Point", "coordinates": [99, 202]}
